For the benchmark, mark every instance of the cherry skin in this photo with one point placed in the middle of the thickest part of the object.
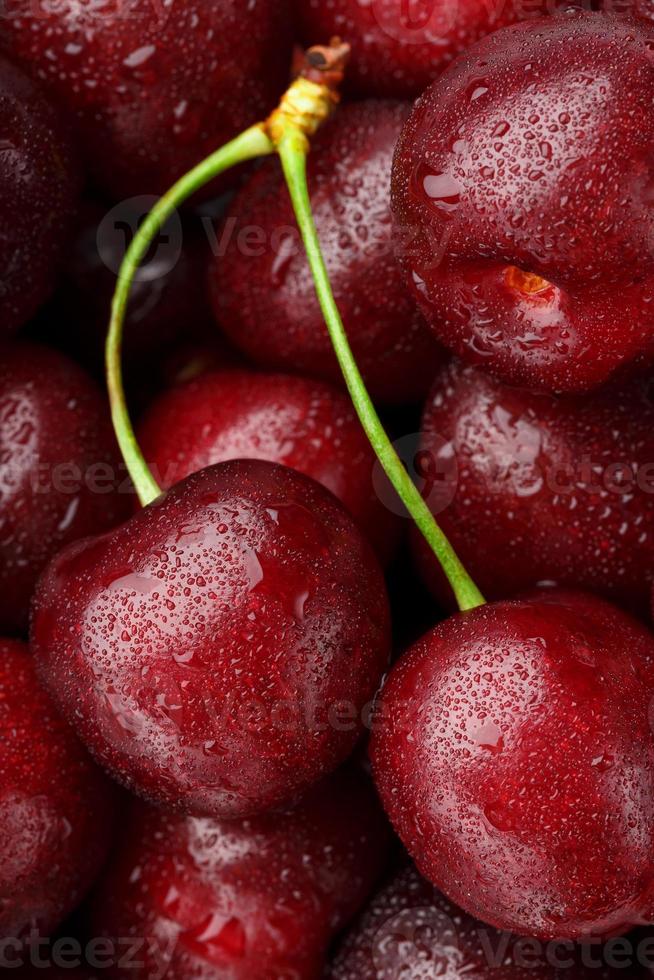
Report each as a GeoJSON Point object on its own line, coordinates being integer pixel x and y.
{"type": "Point", "coordinates": [154, 87]}
{"type": "Point", "coordinates": [59, 469]}
{"type": "Point", "coordinates": [216, 652]}
{"type": "Point", "coordinates": [546, 488]}
{"type": "Point", "coordinates": [38, 193]}
{"type": "Point", "coordinates": [410, 930]}
{"type": "Point", "coordinates": [301, 423]}
{"type": "Point", "coordinates": [523, 196]}
{"type": "Point", "coordinates": [399, 48]}
{"type": "Point", "coordinates": [513, 751]}
{"type": "Point", "coordinates": [262, 290]}
{"type": "Point", "coordinates": [56, 807]}
{"type": "Point", "coordinates": [254, 898]}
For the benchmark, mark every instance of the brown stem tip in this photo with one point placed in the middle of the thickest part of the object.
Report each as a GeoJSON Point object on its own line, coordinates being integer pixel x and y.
{"type": "Point", "coordinates": [324, 64]}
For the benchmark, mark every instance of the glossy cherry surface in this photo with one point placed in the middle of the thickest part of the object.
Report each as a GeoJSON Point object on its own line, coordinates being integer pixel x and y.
{"type": "Point", "coordinates": [523, 198]}
{"type": "Point", "coordinates": [410, 930]}
{"type": "Point", "coordinates": [154, 87]}
{"type": "Point", "coordinates": [254, 898]}
{"type": "Point", "coordinates": [545, 488]}
{"type": "Point", "coordinates": [263, 293]}
{"type": "Point", "coordinates": [216, 652]}
{"type": "Point", "coordinates": [55, 806]}
{"type": "Point", "coordinates": [398, 48]}
{"type": "Point", "coordinates": [513, 751]}
{"type": "Point", "coordinates": [38, 192]}
{"type": "Point", "coordinates": [302, 423]}
{"type": "Point", "coordinates": [60, 476]}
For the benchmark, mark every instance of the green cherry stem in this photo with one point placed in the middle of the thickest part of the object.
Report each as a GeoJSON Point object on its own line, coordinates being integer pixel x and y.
{"type": "Point", "coordinates": [292, 149]}
{"type": "Point", "coordinates": [307, 103]}
{"type": "Point", "coordinates": [253, 143]}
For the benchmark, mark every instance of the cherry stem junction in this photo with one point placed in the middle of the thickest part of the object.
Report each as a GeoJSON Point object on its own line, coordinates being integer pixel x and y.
{"type": "Point", "coordinates": [305, 106]}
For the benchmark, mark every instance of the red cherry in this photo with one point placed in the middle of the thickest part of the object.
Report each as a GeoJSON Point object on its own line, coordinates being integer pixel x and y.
{"type": "Point", "coordinates": [304, 424]}
{"type": "Point", "coordinates": [262, 289]}
{"type": "Point", "coordinates": [514, 752]}
{"type": "Point", "coordinates": [154, 87]}
{"type": "Point", "coordinates": [59, 469]}
{"type": "Point", "coordinates": [258, 898]}
{"type": "Point", "coordinates": [217, 651]}
{"type": "Point", "coordinates": [523, 194]}
{"type": "Point", "coordinates": [56, 807]}
{"type": "Point", "coordinates": [38, 192]}
{"type": "Point", "coordinates": [547, 488]}
{"type": "Point", "coordinates": [412, 931]}
{"type": "Point", "coordinates": [398, 48]}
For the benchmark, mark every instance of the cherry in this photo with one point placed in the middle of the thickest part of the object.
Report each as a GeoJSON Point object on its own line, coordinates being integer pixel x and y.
{"type": "Point", "coordinates": [257, 898]}
{"type": "Point", "coordinates": [38, 190]}
{"type": "Point", "coordinates": [545, 487]}
{"type": "Point", "coordinates": [513, 750]}
{"type": "Point", "coordinates": [523, 193]}
{"type": "Point", "coordinates": [301, 423]}
{"type": "Point", "coordinates": [55, 807]}
{"type": "Point", "coordinates": [411, 930]}
{"type": "Point", "coordinates": [59, 468]}
{"type": "Point", "coordinates": [217, 651]}
{"type": "Point", "coordinates": [262, 290]}
{"type": "Point", "coordinates": [399, 48]}
{"type": "Point", "coordinates": [153, 86]}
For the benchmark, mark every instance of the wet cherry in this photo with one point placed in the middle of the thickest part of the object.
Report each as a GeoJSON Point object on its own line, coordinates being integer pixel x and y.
{"type": "Point", "coordinates": [543, 487]}
{"type": "Point", "coordinates": [217, 651]}
{"type": "Point", "coordinates": [60, 474]}
{"type": "Point", "coordinates": [513, 750]}
{"type": "Point", "coordinates": [55, 806]}
{"type": "Point", "coordinates": [154, 87]}
{"type": "Point", "coordinates": [523, 195]}
{"type": "Point", "coordinates": [301, 423]}
{"type": "Point", "coordinates": [410, 930]}
{"type": "Point", "coordinates": [399, 48]}
{"type": "Point", "coordinates": [38, 191]}
{"type": "Point", "coordinates": [257, 898]}
{"type": "Point", "coordinates": [262, 290]}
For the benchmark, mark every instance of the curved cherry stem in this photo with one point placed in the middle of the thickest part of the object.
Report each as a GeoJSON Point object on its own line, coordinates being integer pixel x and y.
{"type": "Point", "coordinates": [254, 142]}
{"type": "Point", "coordinates": [292, 150]}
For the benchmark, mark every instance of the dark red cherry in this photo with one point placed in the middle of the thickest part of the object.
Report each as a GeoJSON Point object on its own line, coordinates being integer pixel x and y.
{"type": "Point", "coordinates": [38, 193]}
{"type": "Point", "coordinates": [154, 87]}
{"type": "Point", "coordinates": [523, 196]}
{"type": "Point", "coordinates": [60, 475]}
{"type": "Point", "coordinates": [301, 423]}
{"type": "Point", "coordinates": [543, 488]}
{"type": "Point", "coordinates": [410, 930]}
{"type": "Point", "coordinates": [263, 293]}
{"type": "Point", "coordinates": [254, 898]}
{"type": "Point", "coordinates": [399, 47]}
{"type": "Point", "coordinates": [217, 653]}
{"type": "Point", "coordinates": [55, 806]}
{"type": "Point", "coordinates": [514, 753]}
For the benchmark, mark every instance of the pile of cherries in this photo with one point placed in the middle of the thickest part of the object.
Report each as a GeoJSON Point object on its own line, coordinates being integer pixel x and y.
{"type": "Point", "coordinates": [218, 758]}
